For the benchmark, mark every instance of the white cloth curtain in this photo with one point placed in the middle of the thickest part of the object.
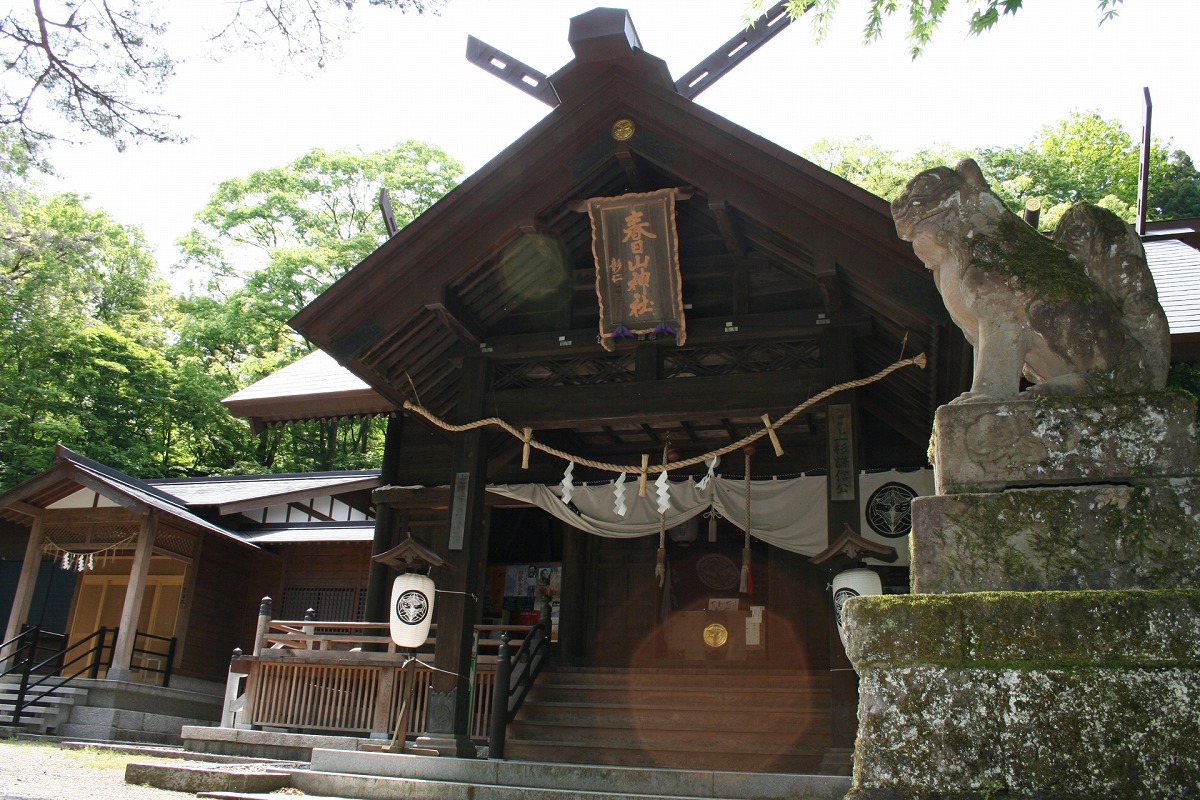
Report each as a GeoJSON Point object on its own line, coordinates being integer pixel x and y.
{"type": "Point", "coordinates": [790, 514]}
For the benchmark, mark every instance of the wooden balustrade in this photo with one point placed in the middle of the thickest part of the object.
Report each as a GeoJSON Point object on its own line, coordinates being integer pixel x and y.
{"type": "Point", "coordinates": [348, 678]}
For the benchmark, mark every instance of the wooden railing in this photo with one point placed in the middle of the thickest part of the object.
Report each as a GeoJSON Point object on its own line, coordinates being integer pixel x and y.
{"type": "Point", "coordinates": [349, 678]}
{"type": "Point", "coordinates": [514, 677]}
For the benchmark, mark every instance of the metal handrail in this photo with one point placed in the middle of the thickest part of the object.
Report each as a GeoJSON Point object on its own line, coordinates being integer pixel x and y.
{"type": "Point", "coordinates": [29, 666]}
{"type": "Point", "coordinates": [515, 677]}
{"type": "Point", "coordinates": [168, 657]}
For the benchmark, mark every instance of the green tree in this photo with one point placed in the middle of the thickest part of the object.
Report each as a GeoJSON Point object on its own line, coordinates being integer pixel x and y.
{"type": "Point", "coordinates": [80, 350]}
{"type": "Point", "coordinates": [924, 16]}
{"type": "Point", "coordinates": [270, 243]}
{"type": "Point", "coordinates": [1175, 190]}
{"type": "Point", "coordinates": [875, 168]}
{"type": "Point", "coordinates": [1088, 158]}
{"type": "Point", "coordinates": [1081, 158]}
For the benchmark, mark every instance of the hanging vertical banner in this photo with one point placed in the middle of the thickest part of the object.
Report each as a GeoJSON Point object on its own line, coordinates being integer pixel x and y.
{"type": "Point", "coordinates": [636, 249]}
{"type": "Point", "coordinates": [842, 474]}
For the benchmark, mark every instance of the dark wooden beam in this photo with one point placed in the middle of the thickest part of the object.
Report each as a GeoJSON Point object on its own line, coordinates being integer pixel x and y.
{"type": "Point", "coordinates": [657, 401]}
{"type": "Point", "coordinates": [436, 498]}
{"type": "Point", "coordinates": [453, 313]}
{"type": "Point", "coordinates": [89, 516]}
{"type": "Point", "coordinates": [804, 323]}
{"type": "Point", "coordinates": [512, 71]}
{"type": "Point", "coordinates": [734, 51]}
{"type": "Point", "coordinates": [633, 173]}
{"type": "Point", "coordinates": [727, 225]}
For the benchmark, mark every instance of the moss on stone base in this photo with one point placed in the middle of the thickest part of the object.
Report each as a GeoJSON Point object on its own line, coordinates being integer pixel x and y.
{"type": "Point", "coordinates": [1145, 629]}
{"type": "Point", "coordinates": [1103, 537]}
{"type": "Point", "coordinates": [1066, 695]}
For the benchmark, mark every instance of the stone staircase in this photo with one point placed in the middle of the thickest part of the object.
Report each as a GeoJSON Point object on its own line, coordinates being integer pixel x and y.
{"type": "Point", "coordinates": [46, 715]}
{"type": "Point", "coordinates": [714, 719]}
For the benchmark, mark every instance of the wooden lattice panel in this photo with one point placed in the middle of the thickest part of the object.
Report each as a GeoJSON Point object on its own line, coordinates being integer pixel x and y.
{"type": "Point", "coordinates": [734, 359]}
{"type": "Point", "coordinates": [544, 373]}
{"type": "Point", "coordinates": [175, 542]}
{"type": "Point", "coordinates": [100, 534]}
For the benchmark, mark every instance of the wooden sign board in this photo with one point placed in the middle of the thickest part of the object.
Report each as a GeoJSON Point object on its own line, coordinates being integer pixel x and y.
{"type": "Point", "coordinates": [636, 249]}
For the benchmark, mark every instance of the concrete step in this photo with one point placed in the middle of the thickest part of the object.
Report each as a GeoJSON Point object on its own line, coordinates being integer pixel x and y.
{"type": "Point", "coordinates": [340, 773]}
{"type": "Point", "coordinates": [45, 713]}
{"type": "Point", "coordinates": [793, 758]}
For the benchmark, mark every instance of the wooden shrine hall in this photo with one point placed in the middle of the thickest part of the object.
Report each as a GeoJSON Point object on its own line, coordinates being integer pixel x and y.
{"type": "Point", "coordinates": [639, 281]}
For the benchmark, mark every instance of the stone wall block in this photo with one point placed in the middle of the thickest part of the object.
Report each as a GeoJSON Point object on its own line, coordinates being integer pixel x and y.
{"type": "Point", "coordinates": [1065, 695]}
{"type": "Point", "coordinates": [1138, 439]}
{"type": "Point", "coordinates": [1097, 537]}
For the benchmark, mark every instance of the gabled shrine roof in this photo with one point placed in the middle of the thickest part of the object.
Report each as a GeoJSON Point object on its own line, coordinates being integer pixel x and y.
{"type": "Point", "coordinates": [502, 264]}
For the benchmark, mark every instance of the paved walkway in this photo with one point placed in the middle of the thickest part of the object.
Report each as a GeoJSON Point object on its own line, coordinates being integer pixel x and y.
{"type": "Point", "coordinates": [40, 771]}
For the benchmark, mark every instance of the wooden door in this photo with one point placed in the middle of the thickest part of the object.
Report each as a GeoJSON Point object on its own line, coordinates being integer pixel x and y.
{"type": "Point", "coordinates": [101, 597]}
{"type": "Point", "coordinates": [623, 615]}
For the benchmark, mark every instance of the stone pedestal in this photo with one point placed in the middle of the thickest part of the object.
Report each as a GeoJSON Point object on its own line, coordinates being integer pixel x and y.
{"type": "Point", "coordinates": [1058, 493]}
{"type": "Point", "coordinates": [1051, 647]}
{"type": "Point", "coordinates": [1068, 695]}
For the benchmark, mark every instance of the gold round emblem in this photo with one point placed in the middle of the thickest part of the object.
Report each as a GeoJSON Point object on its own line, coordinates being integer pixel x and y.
{"type": "Point", "coordinates": [715, 635]}
{"type": "Point", "coordinates": [623, 129]}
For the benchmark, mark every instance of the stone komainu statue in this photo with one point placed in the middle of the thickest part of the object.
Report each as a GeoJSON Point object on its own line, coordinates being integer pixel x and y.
{"type": "Point", "coordinates": [1078, 315]}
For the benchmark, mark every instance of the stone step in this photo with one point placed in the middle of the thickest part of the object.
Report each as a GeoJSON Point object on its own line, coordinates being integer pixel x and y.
{"type": "Point", "coordinates": [45, 713]}
{"type": "Point", "coordinates": [678, 756]}
{"type": "Point", "coordinates": [727, 697]}
{"type": "Point", "coordinates": [730, 720]}
{"type": "Point", "coordinates": [698, 678]}
{"type": "Point", "coordinates": [340, 773]}
{"type": "Point", "coordinates": [747, 717]}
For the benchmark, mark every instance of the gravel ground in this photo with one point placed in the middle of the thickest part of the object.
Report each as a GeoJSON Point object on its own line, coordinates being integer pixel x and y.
{"type": "Point", "coordinates": [37, 771]}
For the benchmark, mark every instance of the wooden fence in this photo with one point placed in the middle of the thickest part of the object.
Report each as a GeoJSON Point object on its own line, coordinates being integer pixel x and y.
{"type": "Point", "coordinates": [348, 678]}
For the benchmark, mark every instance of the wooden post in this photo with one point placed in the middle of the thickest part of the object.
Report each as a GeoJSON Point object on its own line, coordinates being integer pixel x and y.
{"type": "Point", "coordinates": [837, 352]}
{"type": "Point", "coordinates": [26, 583]}
{"type": "Point", "coordinates": [264, 620]}
{"type": "Point", "coordinates": [127, 633]}
{"type": "Point", "coordinates": [500, 699]}
{"type": "Point", "coordinates": [463, 544]}
{"type": "Point", "coordinates": [233, 686]}
{"type": "Point", "coordinates": [387, 526]}
{"type": "Point", "coordinates": [309, 630]}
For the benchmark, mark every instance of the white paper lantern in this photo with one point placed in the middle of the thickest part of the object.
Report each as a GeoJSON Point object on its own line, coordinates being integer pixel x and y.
{"type": "Point", "coordinates": [852, 583]}
{"type": "Point", "coordinates": [412, 609]}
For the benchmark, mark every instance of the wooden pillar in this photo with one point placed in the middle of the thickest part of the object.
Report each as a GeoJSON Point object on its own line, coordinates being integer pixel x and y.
{"type": "Point", "coordinates": [571, 619]}
{"type": "Point", "coordinates": [387, 526]}
{"type": "Point", "coordinates": [837, 352]}
{"type": "Point", "coordinates": [123, 649]}
{"type": "Point", "coordinates": [460, 589]}
{"type": "Point", "coordinates": [28, 580]}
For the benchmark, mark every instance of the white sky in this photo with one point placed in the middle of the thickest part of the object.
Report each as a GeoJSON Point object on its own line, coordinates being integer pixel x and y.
{"type": "Point", "coordinates": [406, 77]}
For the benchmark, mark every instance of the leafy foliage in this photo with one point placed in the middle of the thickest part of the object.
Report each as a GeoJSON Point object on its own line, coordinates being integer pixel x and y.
{"type": "Point", "coordinates": [924, 16]}
{"type": "Point", "coordinates": [1083, 158]}
{"type": "Point", "coordinates": [273, 241]}
{"type": "Point", "coordinates": [80, 347]}
{"type": "Point", "coordinates": [95, 355]}
{"type": "Point", "coordinates": [877, 169]}
{"type": "Point", "coordinates": [1088, 158]}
